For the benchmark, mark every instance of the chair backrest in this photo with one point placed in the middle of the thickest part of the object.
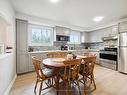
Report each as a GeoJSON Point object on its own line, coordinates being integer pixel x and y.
{"type": "Point", "coordinates": [89, 65]}
{"type": "Point", "coordinates": [72, 68]}
{"type": "Point", "coordinates": [56, 54]}
{"type": "Point", "coordinates": [37, 65]}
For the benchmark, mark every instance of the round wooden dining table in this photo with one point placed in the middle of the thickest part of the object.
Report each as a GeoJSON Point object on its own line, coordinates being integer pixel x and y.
{"type": "Point", "coordinates": [57, 64]}
{"type": "Point", "coordinates": [54, 62]}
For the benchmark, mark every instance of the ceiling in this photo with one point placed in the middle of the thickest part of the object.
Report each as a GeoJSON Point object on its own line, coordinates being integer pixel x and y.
{"type": "Point", "coordinates": [74, 12]}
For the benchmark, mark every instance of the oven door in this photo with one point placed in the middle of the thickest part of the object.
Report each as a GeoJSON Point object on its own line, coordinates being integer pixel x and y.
{"type": "Point", "coordinates": [108, 61]}
{"type": "Point", "coordinates": [108, 56]}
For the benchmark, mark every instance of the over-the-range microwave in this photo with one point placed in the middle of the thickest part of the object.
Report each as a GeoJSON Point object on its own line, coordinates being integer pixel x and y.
{"type": "Point", "coordinates": [62, 38]}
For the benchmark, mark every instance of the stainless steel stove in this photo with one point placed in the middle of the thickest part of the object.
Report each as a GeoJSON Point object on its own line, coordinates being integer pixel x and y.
{"type": "Point", "coordinates": [108, 58]}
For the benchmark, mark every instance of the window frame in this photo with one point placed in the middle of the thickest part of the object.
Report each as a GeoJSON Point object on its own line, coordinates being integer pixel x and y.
{"type": "Point", "coordinates": [74, 32]}
{"type": "Point", "coordinates": [30, 26]}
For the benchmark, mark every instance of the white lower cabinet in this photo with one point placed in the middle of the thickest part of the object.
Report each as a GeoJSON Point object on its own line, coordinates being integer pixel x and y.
{"type": "Point", "coordinates": [22, 66]}
{"type": "Point", "coordinates": [40, 56]}
{"type": "Point", "coordinates": [97, 56]}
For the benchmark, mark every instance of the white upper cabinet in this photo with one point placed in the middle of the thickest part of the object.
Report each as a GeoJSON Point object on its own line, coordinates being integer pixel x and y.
{"type": "Point", "coordinates": [84, 37]}
{"type": "Point", "coordinates": [123, 26]}
{"type": "Point", "coordinates": [114, 30]}
{"type": "Point", "coordinates": [62, 31]}
{"type": "Point", "coordinates": [97, 35]}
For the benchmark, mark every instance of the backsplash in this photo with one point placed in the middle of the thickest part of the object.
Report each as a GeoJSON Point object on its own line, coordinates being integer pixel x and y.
{"type": "Point", "coordinates": [101, 45]}
{"type": "Point", "coordinates": [56, 46]}
{"type": "Point", "coordinates": [96, 45]}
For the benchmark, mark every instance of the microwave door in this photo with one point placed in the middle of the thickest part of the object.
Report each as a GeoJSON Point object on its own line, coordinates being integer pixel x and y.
{"type": "Point", "coordinates": [62, 39]}
{"type": "Point", "coordinates": [123, 39]}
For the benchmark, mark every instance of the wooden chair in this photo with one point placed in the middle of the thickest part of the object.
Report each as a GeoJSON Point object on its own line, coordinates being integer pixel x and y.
{"type": "Point", "coordinates": [86, 70]}
{"type": "Point", "coordinates": [42, 75]}
{"type": "Point", "coordinates": [70, 73]}
{"type": "Point", "coordinates": [56, 54]}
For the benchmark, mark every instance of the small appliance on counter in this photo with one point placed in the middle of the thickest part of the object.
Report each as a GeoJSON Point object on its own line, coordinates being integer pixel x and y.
{"type": "Point", "coordinates": [64, 47]}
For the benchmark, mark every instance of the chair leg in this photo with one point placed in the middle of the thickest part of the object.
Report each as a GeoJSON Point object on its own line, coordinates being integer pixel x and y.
{"type": "Point", "coordinates": [67, 88]}
{"type": "Point", "coordinates": [94, 82]}
{"type": "Point", "coordinates": [40, 88]}
{"type": "Point", "coordinates": [85, 79]}
{"type": "Point", "coordinates": [35, 86]}
{"type": "Point", "coordinates": [52, 81]}
{"type": "Point", "coordinates": [79, 87]}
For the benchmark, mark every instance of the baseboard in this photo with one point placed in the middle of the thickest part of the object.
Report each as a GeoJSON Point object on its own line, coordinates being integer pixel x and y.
{"type": "Point", "coordinates": [10, 86]}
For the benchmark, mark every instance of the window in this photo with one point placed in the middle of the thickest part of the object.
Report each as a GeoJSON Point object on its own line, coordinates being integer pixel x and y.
{"type": "Point", "coordinates": [40, 35]}
{"type": "Point", "coordinates": [74, 37]}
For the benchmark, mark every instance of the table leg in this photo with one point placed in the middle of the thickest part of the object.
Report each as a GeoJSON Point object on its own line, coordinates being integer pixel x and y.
{"type": "Point", "coordinates": [57, 81]}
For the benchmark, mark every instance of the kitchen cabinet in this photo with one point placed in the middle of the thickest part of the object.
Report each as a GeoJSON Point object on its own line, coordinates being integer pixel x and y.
{"type": "Point", "coordinates": [114, 30]}
{"type": "Point", "coordinates": [78, 52]}
{"type": "Point", "coordinates": [84, 37]}
{"type": "Point", "coordinates": [123, 26]}
{"type": "Point", "coordinates": [97, 55]}
{"type": "Point", "coordinates": [62, 31]}
{"type": "Point", "coordinates": [97, 35]}
{"type": "Point", "coordinates": [40, 56]}
{"type": "Point", "coordinates": [43, 55]}
{"type": "Point", "coordinates": [22, 48]}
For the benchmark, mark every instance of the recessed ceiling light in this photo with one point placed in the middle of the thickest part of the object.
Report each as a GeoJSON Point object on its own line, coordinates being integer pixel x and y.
{"type": "Point", "coordinates": [54, 1]}
{"type": "Point", "coordinates": [98, 18]}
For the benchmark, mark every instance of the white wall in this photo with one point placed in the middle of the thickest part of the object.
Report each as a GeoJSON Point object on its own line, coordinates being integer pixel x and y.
{"type": "Point", "coordinates": [42, 21]}
{"type": "Point", "coordinates": [2, 33]}
{"type": "Point", "coordinates": [8, 70]}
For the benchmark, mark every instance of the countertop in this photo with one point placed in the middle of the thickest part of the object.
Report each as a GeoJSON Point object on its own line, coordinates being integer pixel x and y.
{"type": "Point", "coordinates": [85, 50]}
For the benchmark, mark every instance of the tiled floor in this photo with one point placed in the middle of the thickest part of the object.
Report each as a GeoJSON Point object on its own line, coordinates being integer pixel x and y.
{"type": "Point", "coordinates": [108, 82]}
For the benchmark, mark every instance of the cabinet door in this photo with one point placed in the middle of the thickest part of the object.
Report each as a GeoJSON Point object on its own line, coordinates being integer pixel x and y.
{"type": "Point", "coordinates": [97, 56]}
{"type": "Point", "coordinates": [22, 63]}
{"type": "Point", "coordinates": [123, 26]}
{"type": "Point", "coordinates": [22, 48]}
{"type": "Point", "coordinates": [22, 33]}
{"type": "Point", "coordinates": [40, 56]}
{"type": "Point", "coordinates": [30, 65]}
{"type": "Point", "coordinates": [62, 31]}
{"type": "Point", "coordinates": [82, 37]}
{"type": "Point", "coordinates": [97, 59]}
{"type": "Point", "coordinates": [114, 30]}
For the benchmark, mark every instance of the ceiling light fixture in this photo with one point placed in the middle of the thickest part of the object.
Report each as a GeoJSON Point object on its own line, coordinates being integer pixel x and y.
{"type": "Point", "coordinates": [54, 1]}
{"type": "Point", "coordinates": [98, 18]}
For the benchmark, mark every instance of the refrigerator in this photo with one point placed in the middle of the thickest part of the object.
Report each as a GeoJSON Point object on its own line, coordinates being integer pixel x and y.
{"type": "Point", "coordinates": [122, 62]}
